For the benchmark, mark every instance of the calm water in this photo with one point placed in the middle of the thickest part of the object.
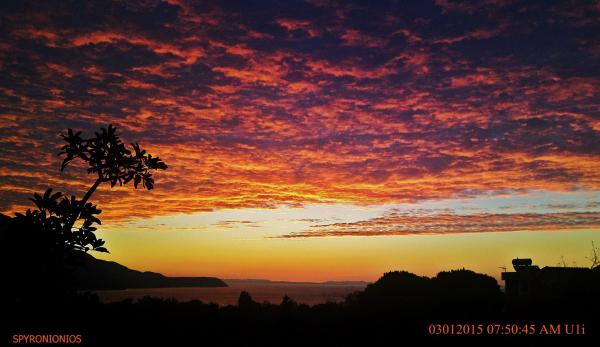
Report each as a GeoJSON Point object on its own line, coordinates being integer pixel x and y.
{"type": "Point", "coordinates": [310, 294]}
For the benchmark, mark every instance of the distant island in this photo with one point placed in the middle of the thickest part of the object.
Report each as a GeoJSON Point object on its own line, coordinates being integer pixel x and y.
{"type": "Point", "coordinates": [96, 274]}
{"type": "Point", "coordinates": [263, 281]}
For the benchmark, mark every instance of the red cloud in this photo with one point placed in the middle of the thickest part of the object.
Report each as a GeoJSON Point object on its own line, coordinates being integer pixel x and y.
{"type": "Point", "coordinates": [356, 38]}
{"type": "Point", "coordinates": [292, 24]}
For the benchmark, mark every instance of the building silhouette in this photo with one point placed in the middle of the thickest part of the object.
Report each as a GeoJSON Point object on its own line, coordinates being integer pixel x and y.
{"type": "Point", "coordinates": [529, 282]}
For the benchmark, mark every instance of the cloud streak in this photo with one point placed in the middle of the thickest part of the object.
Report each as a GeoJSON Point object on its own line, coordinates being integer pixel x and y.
{"type": "Point", "coordinates": [452, 223]}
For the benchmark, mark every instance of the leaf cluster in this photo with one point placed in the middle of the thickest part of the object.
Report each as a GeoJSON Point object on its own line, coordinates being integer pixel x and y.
{"type": "Point", "coordinates": [53, 217]}
{"type": "Point", "coordinates": [109, 158]}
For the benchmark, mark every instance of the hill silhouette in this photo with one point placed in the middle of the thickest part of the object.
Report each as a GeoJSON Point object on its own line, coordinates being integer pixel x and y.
{"type": "Point", "coordinates": [101, 274]}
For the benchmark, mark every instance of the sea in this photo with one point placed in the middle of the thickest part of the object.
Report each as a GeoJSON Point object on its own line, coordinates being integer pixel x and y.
{"type": "Point", "coordinates": [310, 294]}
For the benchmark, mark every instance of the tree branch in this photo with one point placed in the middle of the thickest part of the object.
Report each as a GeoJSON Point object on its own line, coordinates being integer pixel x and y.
{"type": "Point", "coordinates": [84, 201]}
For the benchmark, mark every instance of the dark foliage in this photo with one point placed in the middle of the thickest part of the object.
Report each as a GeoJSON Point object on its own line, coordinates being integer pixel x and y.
{"type": "Point", "coordinates": [52, 219]}
{"type": "Point", "coordinates": [44, 248]}
{"type": "Point", "coordinates": [109, 159]}
{"type": "Point", "coordinates": [44, 245]}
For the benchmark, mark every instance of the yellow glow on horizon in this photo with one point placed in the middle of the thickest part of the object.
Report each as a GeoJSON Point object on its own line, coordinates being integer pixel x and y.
{"type": "Point", "coordinates": [239, 254]}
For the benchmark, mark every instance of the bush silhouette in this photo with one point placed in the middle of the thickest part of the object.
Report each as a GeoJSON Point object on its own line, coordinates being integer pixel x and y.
{"type": "Point", "coordinates": [44, 244]}
{"type": "Point", "coordinates": [246, 303]}
{"type": "Point", "coordinates": [464, 292]}
{"type": "Point", "coordinates": [457, 292]}
{"type": "Point", "coordinates": [397, 290]}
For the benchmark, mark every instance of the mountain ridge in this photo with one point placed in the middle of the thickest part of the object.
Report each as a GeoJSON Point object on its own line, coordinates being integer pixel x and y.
{"type": "Point", "coordinates": [97, 274]}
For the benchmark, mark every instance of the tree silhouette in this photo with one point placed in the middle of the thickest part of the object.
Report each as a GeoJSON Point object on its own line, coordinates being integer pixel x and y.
{"type": "Point", "coordinates": [44, 243]}
{"type": "Point", "coordinates": [594, 257]}
{"type": "Point", "coordinates": [109, 159]}
{"type": "Point", "coordinates": [246, 303]}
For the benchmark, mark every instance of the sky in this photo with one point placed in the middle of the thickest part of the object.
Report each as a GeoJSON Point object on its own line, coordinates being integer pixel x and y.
{"type": "Point", "coordinates": [316, 140]}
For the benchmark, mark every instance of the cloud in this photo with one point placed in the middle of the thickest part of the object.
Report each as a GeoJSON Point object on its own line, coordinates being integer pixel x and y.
{"type": "Point", "coordinates": [356, 38]}
{"type": "Point", "coordinates": [236, 224]}
{"type": "Point", "coordinates": [451, 223]}
{"type": "Point", "coordinates": [316, 102]}
{"type": "Point", "coordinates": [297, 25]}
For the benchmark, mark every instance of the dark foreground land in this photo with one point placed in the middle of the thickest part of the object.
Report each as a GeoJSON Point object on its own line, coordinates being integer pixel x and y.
{"type": "Point", "coordinates": [458, 306]}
